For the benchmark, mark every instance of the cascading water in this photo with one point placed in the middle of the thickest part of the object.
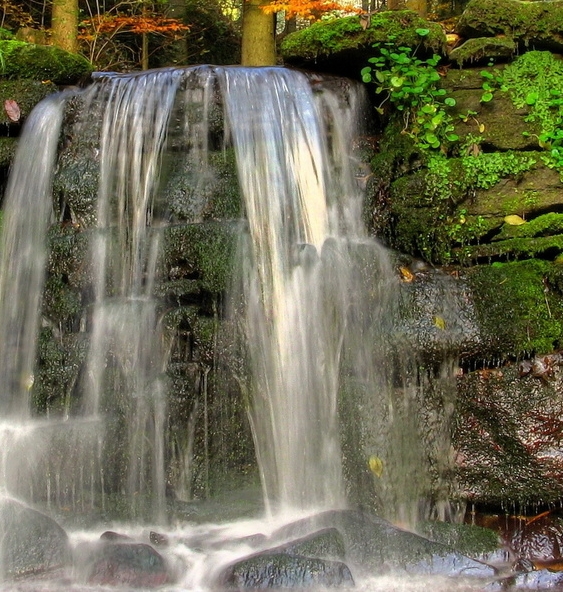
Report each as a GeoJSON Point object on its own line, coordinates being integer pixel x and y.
{"type": "Point", "coordinates": [319, 298]}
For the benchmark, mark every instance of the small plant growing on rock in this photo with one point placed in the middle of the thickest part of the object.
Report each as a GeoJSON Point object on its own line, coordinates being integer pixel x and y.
{"type": "Point", "coordinates": [412, 86]}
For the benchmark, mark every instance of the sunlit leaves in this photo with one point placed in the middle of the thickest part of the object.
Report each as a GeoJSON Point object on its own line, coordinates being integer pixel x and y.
{"type": "Point", "coordinates": [308, 9]}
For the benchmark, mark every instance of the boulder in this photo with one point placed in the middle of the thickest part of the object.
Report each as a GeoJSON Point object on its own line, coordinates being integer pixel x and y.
{"type": "Point", "coordinates": [31, 542]}
{"type": "Point", "coordinates": [375, 546]}
{"type": "Point", "coordinates": [280, 570]}
{"type": "Point", "coordinates": [529, 24]}
{"type": "Point", "coordinates": [343, 46]}
{"type": "Point", "coordinates": [43, 63]}
{"type": "Point", "coordinates": [508, 437]}
{"type": "Point", "coordinates": [116, 562]}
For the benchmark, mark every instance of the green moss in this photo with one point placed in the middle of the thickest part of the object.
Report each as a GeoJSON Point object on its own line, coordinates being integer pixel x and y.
{"type": "Point", "coordinates": [429, 206]}
{"type": "Point", "coordinates": [473, 541]}
{"type": "Point", "coordinates": [476, 50]}
{"type": "Point", "coordinates": [26, 93]}
{"type": "Point", "coordinates": [531, 23]}
{"type": "Point", "coordinates": [545, 225]}
{"type": "Point", "coordinates": [41, 62]}
{"type": "Point", "coordinates": [324, 38]}
{"type": "Point", "coordinates": [7, 151]}
{"type": "Point", "coordinates": [519, 248]}
{"type": "Point", "coordinates": [519, 306]}
{"type": "Point", "coordinates": [203, 251]}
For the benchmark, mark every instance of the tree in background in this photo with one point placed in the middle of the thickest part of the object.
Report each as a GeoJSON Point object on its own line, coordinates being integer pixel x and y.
{"type": "Point", "coordinates": [258, 34]}
{"type": "Point", "coordinates": [64, 24]}
{"type": "Point", "coordinates": [117, 31]}
{"type": "Point", "coordinates": [259, 25]}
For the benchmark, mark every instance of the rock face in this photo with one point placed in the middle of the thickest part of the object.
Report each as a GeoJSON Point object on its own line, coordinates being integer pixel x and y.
{"type": "Point", "coordinates": [528, 24]}
{"type": "Point", "coordinates": [369, 546]}
{"type": "Point", "coordinates": [32, 543]}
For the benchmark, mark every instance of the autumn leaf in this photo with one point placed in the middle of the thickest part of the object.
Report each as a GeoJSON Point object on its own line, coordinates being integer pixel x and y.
{"type": "Point", "coordinates": [12, 110]}
{"type": "Point", "coordinates": [375, 465]}
{"type": "Point", "coordinates": [514, 220]}
{"type": "Point", "coordinates": [308, 9]}
{"type": "Point", "coordinates": [439, 322]}
{"type": "Point", "coordinates": [406, 274]}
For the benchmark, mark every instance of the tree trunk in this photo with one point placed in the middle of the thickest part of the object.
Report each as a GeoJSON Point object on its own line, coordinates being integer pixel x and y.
{"type": "Point", "coordinates": [64, 25]}
{"type": "Point", "coordinates": [258, 35]}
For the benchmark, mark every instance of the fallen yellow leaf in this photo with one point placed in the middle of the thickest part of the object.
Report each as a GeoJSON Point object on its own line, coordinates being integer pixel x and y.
{"type": "Point", "coordinates": [375, 465]}
{"type": "Point", "coordinates": [514, 220]}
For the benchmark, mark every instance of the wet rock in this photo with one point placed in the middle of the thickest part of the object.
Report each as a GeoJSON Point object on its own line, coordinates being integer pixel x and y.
{"type": "Point", "coordinates": [538, 539]}
{"type": "Point", "coordinates": [31, 541]}
{"type": "Point", "coordinates": [508, 435]}
{"type": "Point", "coordinates": [121, 563]}
{"type": "Point", "coordinates": [534, 580]}
{"type": "Point", "coordinates": [280, 570]}
{"type": "Point", "coordinates": [375, 546]}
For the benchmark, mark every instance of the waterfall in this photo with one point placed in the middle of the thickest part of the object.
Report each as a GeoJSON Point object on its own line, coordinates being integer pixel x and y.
{"type": "Point", "coordinates": [320, 298]}
{"type": "Point", "coordinates": [300, 198]}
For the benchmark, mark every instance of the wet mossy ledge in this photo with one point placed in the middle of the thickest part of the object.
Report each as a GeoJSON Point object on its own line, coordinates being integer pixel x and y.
{"type": "Point", "coordinates": [42, 62]}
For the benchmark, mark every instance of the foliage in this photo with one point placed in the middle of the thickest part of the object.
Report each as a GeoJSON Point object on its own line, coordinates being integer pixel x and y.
{"type": "Point", "coordinates": [212, 37]}
{"type": "Point", "coordinates": [38, 62]}
{"type": "Point", "coordinates": [100, 34]}
{"type": "Point", "coordinates": [13, 15]}
{"type": "Point", "coordinates": [412, 85]}
{"type": "Point", "coordinates": [535, 81]}
{"type": "Point", "coordinates": [308, 9]}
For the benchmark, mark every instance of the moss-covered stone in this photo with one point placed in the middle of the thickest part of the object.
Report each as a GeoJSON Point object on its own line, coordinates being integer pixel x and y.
{"type": "Point", "coordinates": [473, 541]}
{"type": "Point", "coordinates": [531, 24]}
{"type": "Point", "coordinates": [483, 49]}
{"type": "Point", "coordinates": [26, 93]}
{"type": "Point", "coordinates": [344, 45]}
{"type": "Point", "coordinates": [7, 151]}
{"type": "Point", "coordinates": [202, 251]}
{"type": "Point", "coordinates": [519, 307]}
{"type": "Point", "coordinates": [41, 62]}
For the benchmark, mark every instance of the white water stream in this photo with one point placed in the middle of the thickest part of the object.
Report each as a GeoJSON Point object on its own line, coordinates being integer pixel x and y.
{"type": "Point", "coordinates": [311, 315]}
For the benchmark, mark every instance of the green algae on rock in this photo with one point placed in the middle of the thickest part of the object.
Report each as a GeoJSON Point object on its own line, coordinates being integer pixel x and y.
{"type": "Point", "coordinates": [42, 62]}
{"type": "Point", "coordinates": [530, 24]}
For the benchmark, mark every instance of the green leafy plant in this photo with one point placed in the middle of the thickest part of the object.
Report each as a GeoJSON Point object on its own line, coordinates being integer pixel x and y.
{"type": "Point", "coordinates": [492, 81]}
{"type": "Point", "coordinates": [412, 86]}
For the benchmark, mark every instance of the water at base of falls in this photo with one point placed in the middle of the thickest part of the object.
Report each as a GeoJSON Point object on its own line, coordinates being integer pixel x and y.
{"type": "Point", "coordinates": [317, 301]}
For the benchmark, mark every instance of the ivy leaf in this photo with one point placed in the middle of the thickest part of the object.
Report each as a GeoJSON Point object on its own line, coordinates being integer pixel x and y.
{"type": "Point", "coordinates": [486, 97]}
{"type": "Point", "coordinates": [450, 101]}
{"type": "Point", "coordinates": [422, 32]}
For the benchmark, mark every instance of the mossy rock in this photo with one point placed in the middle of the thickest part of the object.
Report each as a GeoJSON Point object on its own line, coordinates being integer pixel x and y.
{"type": "Point", "coordinates": [519, 307]}
{"type": "Point", "coordinates": [204, 252]}
{"type": "Point", "coordinates": [7, 151]}
{"type": "Point", "coordinates": [26, 93]}
{"type": "Point", "coordinates": [343, 46]}
{"type": "Point", "coordinates": [483, 49]}
{"type": "Point", "coordinates": [530, 24]}
{"type": "Point", "coordinates": [42, 62]}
